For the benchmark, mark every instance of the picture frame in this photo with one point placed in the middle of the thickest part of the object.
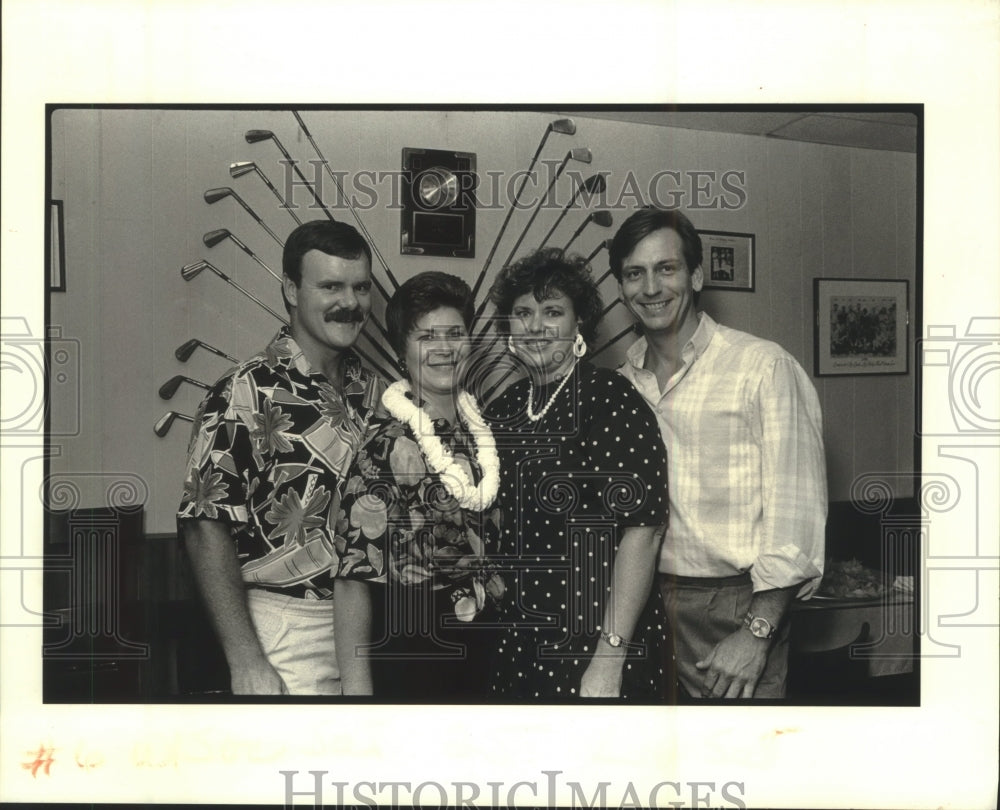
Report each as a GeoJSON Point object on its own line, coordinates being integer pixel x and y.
{"type": "Point", "coordinates": [861, 327]}
{"type": "Point", "coordinates": [56, 248]}
{"type": "Point", "coordinates": [728, 260]}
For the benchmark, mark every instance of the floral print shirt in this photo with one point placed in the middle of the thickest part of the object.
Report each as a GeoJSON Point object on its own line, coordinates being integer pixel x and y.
{"type": "Point", "coordinates": [269, 449]}
{"type": "Point", "coordinates": [399, 525]}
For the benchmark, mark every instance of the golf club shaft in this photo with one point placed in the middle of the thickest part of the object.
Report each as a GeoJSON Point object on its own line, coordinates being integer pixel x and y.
{"type": "Point", "coordinates": [285, 204]}
{"type": "Point", "coordinates": [340, 190]}
{"type": "Point", "coordinates": [562, 215]}
{"type": "Point", "coordinates": [258, 220]}
{"type": "Point", "coordinates": [242, 246]}
{"type": "Point", "coordinates": [245, 292]}
{"type": "Point", "coordinates": [295, 166]}
{"type": "Point", "coordinates": [538, 208]}
{"type": "Point", "coordinates": [510, 211]}
{"type": "Point", "coordinates": [614, 340]}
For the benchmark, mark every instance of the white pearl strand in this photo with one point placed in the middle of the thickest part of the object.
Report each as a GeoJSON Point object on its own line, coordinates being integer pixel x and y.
{"type": "Point", "coordinates": [532, 416]}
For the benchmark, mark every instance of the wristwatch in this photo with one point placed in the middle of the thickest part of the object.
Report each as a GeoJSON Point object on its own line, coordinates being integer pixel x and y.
{"type": "Point", "coordinates": [614, 639]}
{"type": "Point", "coordinates": [758, 625]}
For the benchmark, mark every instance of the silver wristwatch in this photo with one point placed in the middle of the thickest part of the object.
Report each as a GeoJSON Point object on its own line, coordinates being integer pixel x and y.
{"type": "Point", "coordinates": [758, 626]}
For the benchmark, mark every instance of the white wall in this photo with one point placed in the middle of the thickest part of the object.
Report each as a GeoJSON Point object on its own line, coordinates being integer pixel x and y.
{"type": "Point", "coordinates": [132, 182]}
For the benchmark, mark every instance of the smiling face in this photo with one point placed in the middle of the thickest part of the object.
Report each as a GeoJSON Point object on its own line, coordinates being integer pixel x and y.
{"type": "Point", "coordinates": [436, 350]}
{"type": "Point", "coordinates": [658, 287]}
{"type": "Point", "coordinates": [330, 306]}
{"type": "Point", "coordinates": [543, 332]}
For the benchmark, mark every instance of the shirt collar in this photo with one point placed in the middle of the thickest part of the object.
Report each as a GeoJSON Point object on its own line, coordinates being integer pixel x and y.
{"type": "Point", "coordinates": [693, 349]}
{"type": "Point", "coordinates": [285, 352]}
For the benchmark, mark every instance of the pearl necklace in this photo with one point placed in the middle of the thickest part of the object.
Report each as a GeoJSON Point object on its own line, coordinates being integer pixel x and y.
{"type": "Point", "coordinates": [440, 460]}
{"type": "Point", "coordinates": [536, 417]}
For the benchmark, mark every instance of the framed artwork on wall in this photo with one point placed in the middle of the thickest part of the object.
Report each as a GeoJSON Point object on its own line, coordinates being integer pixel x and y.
{"type": "Point", "coordinates": [861, 326]}
{"type": "Point", "coordinates": [727, 260]}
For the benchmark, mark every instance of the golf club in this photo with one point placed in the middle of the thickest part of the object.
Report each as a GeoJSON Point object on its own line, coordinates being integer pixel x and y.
{"type": "Point", "coordinates": [257, 135]}
{"type": "Point", "coordinates": [581, 154]}
{"type": "Point", "coordinates": [354, 211]}
{"type": "Point", "coordinates": [245, 166]}
{"type": "Point", "coordinates": [602, 218]}
{"type": "Point", "coordinates": [627, 330]}
{"type": "Point", "coordinates": [595, 184]}
{"type": "Point", "coordinates": [605, 245]}
{"type": "Point", "coordinates": [212, 238]}
{"type": "Point", "coordinates": [164, 422]}
{"type": "Point", "coordinates": [189, 271]}
{"type": "Point", "coordinates": [169, 388]}
{"type": "Point", "coordinates": [213, 195]}
{"type": "Point", "coordinates": [563, 126]}
{"type": "Point", "coordinates": [186, 349]}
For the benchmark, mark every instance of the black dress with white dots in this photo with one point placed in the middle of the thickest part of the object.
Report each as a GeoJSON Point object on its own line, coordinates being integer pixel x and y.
{"type": "Point", "coordinates": [570, 484]}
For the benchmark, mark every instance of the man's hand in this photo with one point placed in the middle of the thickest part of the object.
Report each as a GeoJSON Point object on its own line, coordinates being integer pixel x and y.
{"type": "Point", "coordinates": [734, 666]}
{"type": "Point", "coordinates": [260, 679]}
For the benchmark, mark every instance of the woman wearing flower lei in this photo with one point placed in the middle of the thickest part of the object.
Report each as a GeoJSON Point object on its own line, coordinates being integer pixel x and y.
{"type": "Point", "coordinates": [584, 495]}
{"type": "Point", "coordinates": [415, 590]}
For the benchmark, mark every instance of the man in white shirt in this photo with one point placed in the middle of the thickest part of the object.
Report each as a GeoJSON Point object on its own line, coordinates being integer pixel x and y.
{"type": "Point", "coordinates": [746, 471]}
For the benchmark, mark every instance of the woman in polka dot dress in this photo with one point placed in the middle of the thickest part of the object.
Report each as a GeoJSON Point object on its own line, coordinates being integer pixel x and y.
{"type": "Point", "coordinates": [583, 494]}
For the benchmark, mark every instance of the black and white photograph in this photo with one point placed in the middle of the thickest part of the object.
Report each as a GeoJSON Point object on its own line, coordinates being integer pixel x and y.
{"type": "Point", "coordinates": [403, 448]}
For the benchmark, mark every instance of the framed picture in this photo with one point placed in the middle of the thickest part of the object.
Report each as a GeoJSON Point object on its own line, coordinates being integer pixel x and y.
{"type": "Point", "coordinates": [727, 260]}
{"type": "Point", "coordinates": [861, 326]}
{"type": "Point", "coordinates": [57, 251]}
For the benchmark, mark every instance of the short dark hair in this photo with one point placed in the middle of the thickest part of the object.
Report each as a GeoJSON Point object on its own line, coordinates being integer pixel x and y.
{"type": "Point", "coordinates": [646, 221]}
{"type": "Point", "coordinates": [541, 273]}
{"type": "Point", "coordinates": [329, 237]}
{"type": "Point", "coordinates": [423, 293]}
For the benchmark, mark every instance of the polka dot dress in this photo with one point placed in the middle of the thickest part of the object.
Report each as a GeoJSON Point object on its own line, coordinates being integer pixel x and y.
{"type": "Point", "coordinates": [570, 484]}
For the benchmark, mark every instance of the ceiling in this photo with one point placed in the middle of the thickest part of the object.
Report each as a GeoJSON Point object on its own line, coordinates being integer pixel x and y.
{"type": "Point", "coordinates": [892, 131]}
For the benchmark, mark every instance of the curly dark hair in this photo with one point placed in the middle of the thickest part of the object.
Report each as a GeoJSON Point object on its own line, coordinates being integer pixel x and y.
{"type": "Point", "coordinates": [541, 273]}
{"type": "Point", "coordinates": [423, 293]}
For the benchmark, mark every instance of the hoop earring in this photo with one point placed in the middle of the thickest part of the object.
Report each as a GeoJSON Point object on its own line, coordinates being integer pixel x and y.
{"type": "Point", "coordinates": [510, 344]}
{"type": "Point", "coordinates": [579, 346]}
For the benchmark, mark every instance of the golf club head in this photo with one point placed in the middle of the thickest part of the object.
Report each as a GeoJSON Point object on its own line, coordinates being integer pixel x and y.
{"type": "Point", "coordinates": [213, 195]}
{"type": "Point", "coordinates": [169, 388]}
{"type": "Point", "coordinates": [603, 218]}
{"type": "Point", "coordinates": [595, 184]}
{"type": "Point", "coordinates": [256, 135]}
{"type": "Point", "coordinates": [186, 349]}
{"type": "Point", "coordinates": [163, 423]}
{"type": "Point", "coordinates": [212, 238]}
{"type": "Point", "coordinates": [564, 126]}
{"type": "Point", "coordinates": [581, 153]}
{"type": "Point", "coordinates": [189, 271]}
{"type": "Point", "coordinates": [241, 168]}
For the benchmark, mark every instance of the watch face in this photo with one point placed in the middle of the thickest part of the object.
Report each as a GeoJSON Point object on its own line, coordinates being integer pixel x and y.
{"type": "Point", "coordinates": [760, 628]}
{"type": "Point", "coordinates": [614, 640]}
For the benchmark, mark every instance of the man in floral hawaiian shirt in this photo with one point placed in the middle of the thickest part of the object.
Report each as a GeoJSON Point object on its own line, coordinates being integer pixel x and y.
{"type": "Point", "coordinates": [270, 446]}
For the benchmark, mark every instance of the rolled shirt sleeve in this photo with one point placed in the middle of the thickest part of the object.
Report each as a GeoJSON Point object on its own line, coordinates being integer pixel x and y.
{"type": "Point", "coordinates": [789, 429]}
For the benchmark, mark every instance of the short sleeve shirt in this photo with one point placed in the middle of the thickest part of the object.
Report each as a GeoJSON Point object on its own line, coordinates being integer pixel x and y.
{"type": "Point", "coordinates": [270, 446]}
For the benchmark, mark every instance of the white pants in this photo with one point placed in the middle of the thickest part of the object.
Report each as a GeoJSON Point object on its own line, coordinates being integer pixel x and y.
{"type": "Point", "coordinates": [297, 637]}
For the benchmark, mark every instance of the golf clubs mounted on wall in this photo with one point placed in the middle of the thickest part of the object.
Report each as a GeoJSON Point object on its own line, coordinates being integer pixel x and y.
{"type": "Point", "coordinates": [385, 365]}
{"type": "Point", "coordinates": [559, 188]}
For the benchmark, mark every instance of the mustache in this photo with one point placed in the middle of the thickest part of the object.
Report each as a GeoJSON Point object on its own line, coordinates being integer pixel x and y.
{"type": "Point", "coordinates": [345, 316]}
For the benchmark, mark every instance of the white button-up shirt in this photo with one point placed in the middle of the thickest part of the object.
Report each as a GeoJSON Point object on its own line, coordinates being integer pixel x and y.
{"type": "Point", "coordinates": [746, 472]}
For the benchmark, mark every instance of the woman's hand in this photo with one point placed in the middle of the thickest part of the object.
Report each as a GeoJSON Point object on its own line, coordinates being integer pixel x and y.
{"type": "Point", "coordinates": [603, 676]}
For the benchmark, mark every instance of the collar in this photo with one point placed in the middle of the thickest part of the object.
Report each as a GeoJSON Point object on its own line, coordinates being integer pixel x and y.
{"type": "Point", "coordinates": [283, 351]}
{"type": "Point", "coordinates": [693, 349]}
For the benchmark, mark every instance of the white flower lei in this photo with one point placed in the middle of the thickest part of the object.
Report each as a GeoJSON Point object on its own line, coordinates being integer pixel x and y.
{"type": "Point", "coordinates": [440, 460]}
